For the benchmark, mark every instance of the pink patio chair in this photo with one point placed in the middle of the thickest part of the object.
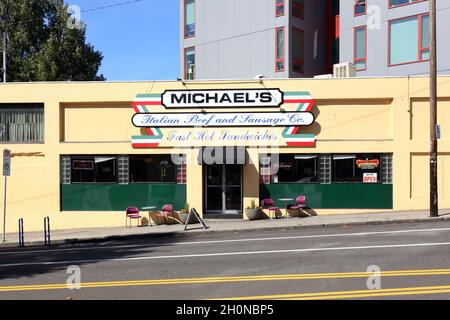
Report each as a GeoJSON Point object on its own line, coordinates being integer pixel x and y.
{"type": "Point", "coordinates": [132, 213]}
{"type": "Point", "coordinates": [165, 213]}
{"type": "Point", "coordinates": [300, 204]}
{"type": "Point", "coordinates": [269, 204]}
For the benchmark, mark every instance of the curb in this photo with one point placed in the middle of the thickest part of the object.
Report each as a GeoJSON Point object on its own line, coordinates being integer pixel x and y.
{"type": "Point", "coordinates": [182, 234]}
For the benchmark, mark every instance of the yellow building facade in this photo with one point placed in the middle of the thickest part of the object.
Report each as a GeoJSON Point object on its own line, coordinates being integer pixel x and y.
{"type": "Point", "coordinates": [83, 152]}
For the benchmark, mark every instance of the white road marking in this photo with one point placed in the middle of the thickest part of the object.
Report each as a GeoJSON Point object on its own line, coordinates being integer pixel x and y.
{"type": "Point", "coordinates": [219, 254]}
{"type": "Point", "coordinates": [102, 246]}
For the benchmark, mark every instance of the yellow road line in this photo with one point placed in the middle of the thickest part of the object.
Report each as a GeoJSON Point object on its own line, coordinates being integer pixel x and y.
{"type": "Point", "coordinates": [350, 294]}
{"type": "Point", "coordinates": [210, 280]}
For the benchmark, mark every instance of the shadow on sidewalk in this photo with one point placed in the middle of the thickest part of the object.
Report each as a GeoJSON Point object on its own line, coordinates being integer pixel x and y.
{"type": "Point", "coordinates": [32, 261]}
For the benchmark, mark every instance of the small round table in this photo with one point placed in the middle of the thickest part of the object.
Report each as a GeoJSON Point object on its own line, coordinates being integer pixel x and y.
{"type": "Point", "coordinates": [287, 200]}
{"type": "Point", "coordinates": [149, 208]}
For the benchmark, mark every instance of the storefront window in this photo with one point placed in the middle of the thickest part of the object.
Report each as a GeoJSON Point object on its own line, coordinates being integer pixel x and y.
{"type": "Point", "coordinates": [356, 168]}
{"type": "Point", "coordinates": [338, 168]}
{"type": "Point", "coordinates": [153, 169]}
{"type": "Point", "coordinates": [102, 169]}
{"type": "Point", "coordinates": [296, 168]}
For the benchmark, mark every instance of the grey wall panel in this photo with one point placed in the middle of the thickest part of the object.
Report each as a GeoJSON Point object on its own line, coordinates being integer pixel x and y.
{"type": "Point", "coordinates": [261, 14]}
{"type": "Point", "coordinates": [244, 35]}
{"type": "Point", "coordinates": [210, 16]}
{"type": "Point", "coordinates": [242, 57]}
{"type": "Point", "coordinates": [259, 54]}
{"type": "Point", "coordinates": [242, 16]}
{"type": "Point", "coordinates": [210, 69]}
{"type": "Point", "coordinates": [225, 23]}
{"type": "Point", "coordinates": [378, 37]}
{"type": "Point", "coordinates": [226, 59]}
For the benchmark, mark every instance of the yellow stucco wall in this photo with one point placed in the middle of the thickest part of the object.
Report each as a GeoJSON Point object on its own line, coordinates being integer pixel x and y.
{"type": "Point", "coordinates": [353, 115]}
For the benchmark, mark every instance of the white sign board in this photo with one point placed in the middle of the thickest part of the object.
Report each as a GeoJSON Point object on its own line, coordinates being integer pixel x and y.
{"type": "Point", "coordinates": [234, 119]}
{"type": "Point", "coordinates": [370, 178]}
{"type": "Point", "coordinates": [222, 98]}
{"type": "Point", "coordinates": [6, 163]}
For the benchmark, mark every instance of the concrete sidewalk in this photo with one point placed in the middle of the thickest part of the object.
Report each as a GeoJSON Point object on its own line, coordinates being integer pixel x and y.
{"type": "Point", "coordinates": [73, 236]}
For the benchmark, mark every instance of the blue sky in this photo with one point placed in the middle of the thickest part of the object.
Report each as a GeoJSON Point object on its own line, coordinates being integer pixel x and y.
{"type": "Point", "coordinates": [139, 41]}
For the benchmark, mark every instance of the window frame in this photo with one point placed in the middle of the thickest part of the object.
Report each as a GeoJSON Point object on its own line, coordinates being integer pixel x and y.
{"type": "Point", "coordinates": [33, 106]}
{"type": "Point", "coordinates": [356, 157]}
{"type": "Point", "coordinates": [95, 169]}
{"type": "Point", "coordinates": [268, 178]}
{"type": "Point", "coordinates": [278, 5]}
{"type": "Point", "coordinates": [354, 9]}
{"type": "Point", "coordinates": [420, 49]}
{"type": "Point", "coordinates": [185, 62]}
{"type": "Point", "coordinates": [300, 61]}
{"type": "Point", "coordinates": [143, 156]}
{"type": "Point", "coordinates": [325, 168]}
{"type": "Point", "coordinates": [355, 59]}
{"type": "Point", "coordinates": [185, 20]}
{"type": "Point", "coordinates": [302, 7]}
{"type": "Point", "coordinates": [391, 6]}
{"type": "Point", "coordinates": [283, 58]}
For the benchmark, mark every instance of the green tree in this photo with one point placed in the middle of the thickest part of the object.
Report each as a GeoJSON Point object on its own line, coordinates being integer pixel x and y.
{"type": "Point", "coordinates": [43, 45]}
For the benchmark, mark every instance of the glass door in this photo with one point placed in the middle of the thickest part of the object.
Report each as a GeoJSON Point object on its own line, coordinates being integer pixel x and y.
{"type": "Point", "coordinates": [214, 188]}
{"type": "Point", "coordinates": [223, 185]}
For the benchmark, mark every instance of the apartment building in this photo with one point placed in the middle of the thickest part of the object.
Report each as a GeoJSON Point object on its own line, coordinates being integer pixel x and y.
{"type": "Point", "coordinates": [391, 37]}
{"type": "Point", "coordinates": [245, 38]}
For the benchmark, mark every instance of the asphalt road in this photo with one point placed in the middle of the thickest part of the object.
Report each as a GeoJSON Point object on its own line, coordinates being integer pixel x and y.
{"type": "Point", "coordinates": [329, 263]}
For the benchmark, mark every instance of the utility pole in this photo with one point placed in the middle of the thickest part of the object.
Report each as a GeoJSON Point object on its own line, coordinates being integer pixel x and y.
{"type": "Point", "coordinates": [4, 55]}
{"type": "Point", "coordinates": [433, 115]}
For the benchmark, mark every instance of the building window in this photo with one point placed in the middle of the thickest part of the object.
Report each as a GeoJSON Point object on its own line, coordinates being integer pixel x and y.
{"type": "Point", "coordinates": [398, 3]}
{"type": "Point", "coordinates": [298, 50]}
{"type": "Point", "coordinates": [21, 123]}
{"type": "Point", "coordinates": [189, 63]}
{"type": "Point", "coordinates": [94, 169]}
{"type": "Point", "coordinates": [153, 169]}
{"type": "Point", "coordinates": [189, 18]}
{"type": "Point", "coordinates": [360, 52]}
{"type": "Point", "coordinates": [360, 7]}
{"type": "Point", "coordinates": [356, 168]}
{"type": "Point", "coordinates": [409, 40]}
{"type": "Point", "coordinates": [290, 168]}
{"type": "Point", "coordinates": [298, 9]}
{"type": "Point", "coordinates": [279, 8]}
{"type": "Point", "coordinates": [279, 54]}
{"type": "Point", "coordinates": [326, 169]}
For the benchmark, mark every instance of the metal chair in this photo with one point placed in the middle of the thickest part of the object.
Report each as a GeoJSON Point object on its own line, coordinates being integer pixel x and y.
{"type": "Point", "coordinates": [269, 204]}
{"type": "Point", "coordinates": [165, 213]}
{"type": "Point", "coordinates": [132, 213]}
{"type": "Point", "coordinates": [300, 204]}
